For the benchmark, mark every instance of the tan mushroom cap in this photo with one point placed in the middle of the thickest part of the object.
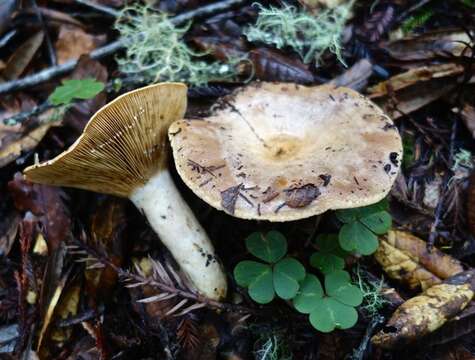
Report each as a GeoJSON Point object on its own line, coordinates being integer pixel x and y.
{"type": "Point", "coordinates": [281, 152]}
{"type": "Point", "coordinates": [123, 144]}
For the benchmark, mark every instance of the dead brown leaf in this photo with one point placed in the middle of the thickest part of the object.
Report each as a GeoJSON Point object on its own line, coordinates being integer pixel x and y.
{"type": "Point", "coordinates": [468, 117]}
{"type": "Point", "coordinates": [8, 231]}
{"type": "Point", "coordinates": [73, 42]}
{"type": "Point", "coordinates": [46, 202]}
{"type": "Point", "coordinates": [443, 43]}
{"type": "Point", "coordinates": [356, 77]}
{"type": "Point", "coordinates": [427, 312]}
{"type": "Point", "coordinates": [405, 257]}
{"type": "Point", "coordinates": [415, 88]}
{"type": "Point", "coordinates": [22, 57]}
{"type": "Point", "coordinates": [14, 142]}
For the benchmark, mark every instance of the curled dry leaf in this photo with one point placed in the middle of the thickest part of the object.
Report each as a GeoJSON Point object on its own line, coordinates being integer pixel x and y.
{"type": "Point", "coordinates": [427, 312]}
{"type": "Point", "coordinates": [8, 231]}
{"type": "Point", "coordinates": [415, 88]}
{"type": "Point", "coordinates": [429, 45]}
{"type": "Point", "coordinates": [405, 257]}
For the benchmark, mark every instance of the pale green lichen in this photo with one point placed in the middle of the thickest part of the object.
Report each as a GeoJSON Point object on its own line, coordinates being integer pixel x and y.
{"type": "Point", "coordinates": [272, 347]}
{"type": "Point", "coordinates": [306, 34]}
{"type": "Point", "coordinates": [373, 301]}
{"type": "Point", "coordinates": [156, 50]}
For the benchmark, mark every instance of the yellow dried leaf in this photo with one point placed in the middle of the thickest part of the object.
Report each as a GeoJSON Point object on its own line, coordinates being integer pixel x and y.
{"type": "Point", "coordinates": [427, 312]}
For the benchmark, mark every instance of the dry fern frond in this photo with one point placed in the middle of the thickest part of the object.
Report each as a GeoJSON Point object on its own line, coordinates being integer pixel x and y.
{"type": "Point", "coordinates": [123, 144]}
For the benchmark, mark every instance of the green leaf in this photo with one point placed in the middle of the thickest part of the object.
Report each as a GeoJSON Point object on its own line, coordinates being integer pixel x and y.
{"type": "Point", "coordinates": [338, 286]}
{"type": "Point", "coordinates": [358, 238]}
{"type": "Point", "coordinates": [326, 263]}
{"type": "Point", "coordinates": [329, 314]}
{"type": "Point", "coordinates": [287, 275]}
{"type": "Point", "coordinates": [310, 291]}
{"type": "Point", "coordinates": [347, 215]}
{"type": "Point", "coordinates": [246, 272]}
{"type": "Point", "coordinates": [270, 248]}
{"type": "Point", "coordinates": [379, 222]}
{"type": "Point", "coordinates": [261, 290]}
{"type": "Point", "coordinates": [327, 243]}
{"type": "Point", "coordinates": [75, 89]}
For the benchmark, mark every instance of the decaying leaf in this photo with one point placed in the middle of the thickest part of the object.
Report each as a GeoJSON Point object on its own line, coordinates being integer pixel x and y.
{"type": "Point", "coordinates": [73, 42]}
{"type": "Point", "coordinates": [107, 230]}
{"type": "Point", "coordinates": [22, 57]}
{"type": "Point", "coordinates": [355, 77]}
{"type": "Point", "coordinates": [415, 88]}
{"type": "Point", "coordinates": [46, 202]}
{"type": "Point", "coordinates": [427, 312]}
{"type": "Point", "coordinates": [8, 231]}
{"type": "Point", "coordinates": [405, 257]}
{"type": "Point", "coordinates": [443, 43]}
{"type": "Point", "coordinates": [15, 142]}
{"type": "Point", "coordinates": [468, 117]}
{"type": "Point", "coordinates": [67, 307]}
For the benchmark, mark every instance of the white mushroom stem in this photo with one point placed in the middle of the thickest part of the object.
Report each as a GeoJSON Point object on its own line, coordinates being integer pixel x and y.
{"type": "Point", "coordinates": [181, 233]}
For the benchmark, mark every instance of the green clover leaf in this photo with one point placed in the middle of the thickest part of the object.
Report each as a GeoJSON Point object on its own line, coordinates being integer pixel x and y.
{"type": "Point", "coordinates": [338, 286]}
{"type": "Point", "coordinates": [327, 263]}
{"type": "Point", "coordinates": [75, 89]}
{"type": "Point", "coordinates": [378, 222]}
{"type": "Point", "coordinates": [271, 248]}
{"type": "Point", "coordinates": [356, 237]}
{"type": "Point", "coordinates": [287, 274]}
{"type": "Point", "coordinates": [329, 314]}
{"type": "Point", "coordinates": [310, 291]}
{"type": "Point", "coordinates": [258, 278]}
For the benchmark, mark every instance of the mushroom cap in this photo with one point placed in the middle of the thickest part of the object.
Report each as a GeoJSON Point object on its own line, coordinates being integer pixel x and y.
{"type": "Point", "coordinates": [281, 152]}
{"type": "Point", "coordinates": [123, 144]}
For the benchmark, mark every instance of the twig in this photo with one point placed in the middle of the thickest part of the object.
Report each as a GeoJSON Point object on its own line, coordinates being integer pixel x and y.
{"type": "Point", "coordinates": [104, 9]}
{"type": "Point", "coordinates": [358, 354]}
{"type": "Point", "coordinates": [49, 44]}
{"type": "Point", "coordinates": [111, 48]}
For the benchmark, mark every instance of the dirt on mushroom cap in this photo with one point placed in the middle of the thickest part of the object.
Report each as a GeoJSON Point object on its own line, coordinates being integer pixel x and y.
{"type": "Point", "coordinates": [282, 152]}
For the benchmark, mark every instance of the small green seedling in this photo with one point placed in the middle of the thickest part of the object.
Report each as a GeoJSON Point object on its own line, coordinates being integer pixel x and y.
{"type": "Point", "coordinates": [361, 227]}
{"type": "Point", "coordinates": [331, 256]}
{"type": "Point", "coordinates": [334, 308]}
{"type": "Point", "coordinates": [278, 275]}
{"type": "Point", "coordinates": [75, 89]}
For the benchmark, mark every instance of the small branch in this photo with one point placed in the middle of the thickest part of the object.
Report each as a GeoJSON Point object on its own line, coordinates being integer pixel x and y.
{"type": "Point", "coordinates": [111, 48]}
{"type": "Point", "coordinates": [98, 7]}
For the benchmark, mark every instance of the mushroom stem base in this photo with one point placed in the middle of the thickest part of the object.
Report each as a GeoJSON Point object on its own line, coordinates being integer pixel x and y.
{"type": "Point", "coordinates": [181, 233]}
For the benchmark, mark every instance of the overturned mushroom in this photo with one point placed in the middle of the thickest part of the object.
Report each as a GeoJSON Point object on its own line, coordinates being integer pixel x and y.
{"type": "Point", "coordinates": [282, 152]}
{"type": "Point", "coordinates": [123, 151]}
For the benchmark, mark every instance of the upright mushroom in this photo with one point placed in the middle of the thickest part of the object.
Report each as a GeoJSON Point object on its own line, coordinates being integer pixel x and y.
{"type": "Point", "coordinates": [123, 151]}
{"type": "Point", "coordinates": [282, 152]}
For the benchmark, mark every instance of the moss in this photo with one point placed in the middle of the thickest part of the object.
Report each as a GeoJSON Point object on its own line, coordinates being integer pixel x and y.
{"type": "Point", "coordinates": [306, 34]}
{"type": "Point", "coordinates": [156, 50]}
